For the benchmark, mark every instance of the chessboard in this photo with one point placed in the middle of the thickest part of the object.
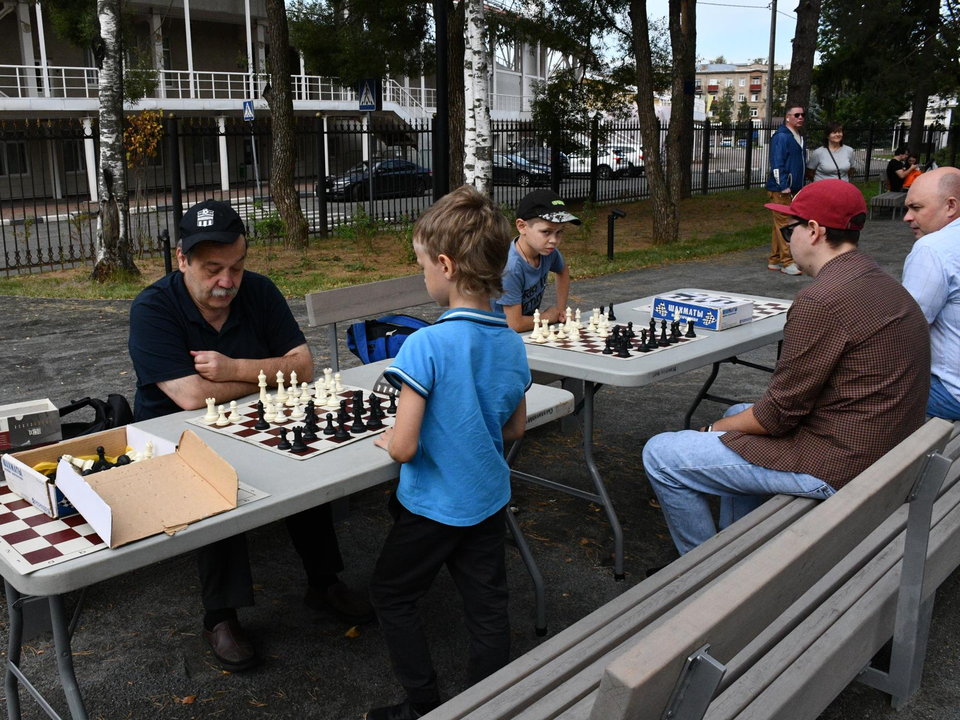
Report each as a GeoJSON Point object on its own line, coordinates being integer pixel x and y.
{"type": "Point", "coordinates": [591, 342]}
{"type": "Point", "coordinates": [270, 438]}
{"type": "Point", "coordinates": [761, 308]}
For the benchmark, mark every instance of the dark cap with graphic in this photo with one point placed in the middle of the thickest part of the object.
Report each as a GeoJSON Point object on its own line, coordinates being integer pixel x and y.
{"type": "Point", "coordinates": [547, 205]}
{"type": "Point", "coordinates": [210, 221]}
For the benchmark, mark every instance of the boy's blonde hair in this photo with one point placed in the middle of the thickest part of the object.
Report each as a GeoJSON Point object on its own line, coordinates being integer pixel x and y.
{"type": "Point", "coordinates": [467, 227]}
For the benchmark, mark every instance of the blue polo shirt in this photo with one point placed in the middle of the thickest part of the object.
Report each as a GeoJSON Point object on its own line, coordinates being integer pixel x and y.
{"type": "Point", "coordinates": [524, 284]}
{"type": "Point", "coordinates": [165, 325]}
{"type": "Point", "coordinates": [472, 369]}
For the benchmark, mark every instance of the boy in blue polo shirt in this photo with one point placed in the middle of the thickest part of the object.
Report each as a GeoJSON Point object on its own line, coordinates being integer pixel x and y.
{"type": "Point", "coordinates": [534, 254]}
{"type": "Point", "coordinates": [462, 383]}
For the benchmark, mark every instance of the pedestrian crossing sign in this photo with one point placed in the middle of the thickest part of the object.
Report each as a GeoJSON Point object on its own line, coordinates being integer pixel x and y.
{"type": "Point", "coordinates": [248, 110]}
{"type": "Point", "coordinates": [369, 94]}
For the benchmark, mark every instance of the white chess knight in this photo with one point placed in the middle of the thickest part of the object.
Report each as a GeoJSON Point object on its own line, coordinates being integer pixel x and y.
{"type": "Point", "coordinates": [211, 417]}
{"type": "Point", "coordinates": [319, 393]}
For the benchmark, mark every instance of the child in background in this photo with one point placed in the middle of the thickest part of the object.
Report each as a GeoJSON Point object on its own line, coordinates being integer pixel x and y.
{"type": "Point", "coordinates": [534, 254]}
{"type": "Point", "coordinates": [462, 383]}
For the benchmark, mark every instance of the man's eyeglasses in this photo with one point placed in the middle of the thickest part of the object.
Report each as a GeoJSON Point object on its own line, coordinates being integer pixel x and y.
{"type": "Point", "coordinates": [787, 230]}
{"type": "Point", "coordinates": [799, 114]}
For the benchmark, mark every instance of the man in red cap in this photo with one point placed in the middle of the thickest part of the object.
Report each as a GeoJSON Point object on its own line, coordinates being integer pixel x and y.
{"type": "Point", "coordinates": [851, 382]}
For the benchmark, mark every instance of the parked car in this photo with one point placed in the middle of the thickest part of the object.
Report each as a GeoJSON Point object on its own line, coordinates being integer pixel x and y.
{"type": "Point", "coordinates": [633, 158]}
{"type": "Point", "coordinates": [726, 142]}
{"type": "Point", "coordinates": [390, 178]}
{"type": "Point", "coordinates": [539, 155]}
{"type": "Point", "coordinates": [511, 169]}
{"type": "Point", "coordinates": [611, 162]}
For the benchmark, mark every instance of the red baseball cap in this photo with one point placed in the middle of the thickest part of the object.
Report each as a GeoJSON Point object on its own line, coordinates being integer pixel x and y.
{"type": "Point", "coordinates": [832, 203]}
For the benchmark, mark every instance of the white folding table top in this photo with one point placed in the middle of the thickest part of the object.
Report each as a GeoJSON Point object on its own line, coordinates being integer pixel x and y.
{"type": "Point", "coordinates": [293, 486]}
{"type": "Point", "coordinates": [645, 370]}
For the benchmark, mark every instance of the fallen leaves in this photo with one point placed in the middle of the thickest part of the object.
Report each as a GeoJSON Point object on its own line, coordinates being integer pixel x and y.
{"type": "Point", "coordinates": [352, 633]}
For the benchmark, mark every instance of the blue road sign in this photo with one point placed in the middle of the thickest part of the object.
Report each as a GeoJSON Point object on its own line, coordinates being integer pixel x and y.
{"type": "Point", "coordinates": [369, 94]}
{"type": "Point", "coordinates": [248, 110]}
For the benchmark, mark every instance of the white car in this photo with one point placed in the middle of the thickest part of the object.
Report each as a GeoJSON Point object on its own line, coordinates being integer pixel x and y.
{"type": "Point", "coordinates": [611, 162]}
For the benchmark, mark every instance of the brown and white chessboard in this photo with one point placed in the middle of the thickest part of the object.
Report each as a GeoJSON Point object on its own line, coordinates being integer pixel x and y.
{"type": "Point", "coordinates": [590, 342]}
{"type": "Point", "coordinates": [270, 438]}
{"type": "Point", "coordinates": [761, 308]}
{"type": "Point", "coordinates": [30, 540]}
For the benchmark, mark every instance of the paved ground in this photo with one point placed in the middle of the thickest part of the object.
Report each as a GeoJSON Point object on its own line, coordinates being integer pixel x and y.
{"type": "Point", "coordinates": [138, 651]}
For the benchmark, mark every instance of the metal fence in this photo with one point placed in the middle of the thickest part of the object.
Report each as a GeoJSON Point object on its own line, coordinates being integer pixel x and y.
{"type": "Point", "coordinates": [48, 207]}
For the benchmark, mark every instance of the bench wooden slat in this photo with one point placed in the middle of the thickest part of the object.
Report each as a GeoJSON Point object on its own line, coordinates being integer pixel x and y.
{"type": "Point", "coordinates": [817, 620]}
{"type": "Point", "coordinates": [753, 594]}
{"type": "Point", "coordinates": [834, 660]}
{"type": "Point", "coordinates": [509, 684]}
{"type": "Point", "coordinates": [356, 301]}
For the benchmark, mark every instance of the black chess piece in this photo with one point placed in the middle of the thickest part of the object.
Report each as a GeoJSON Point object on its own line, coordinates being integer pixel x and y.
{"type": "Point", "coordinates": [616, 333]}
{"type": "Point", "coordinates": [261, 423]}
{"type": "Point", "coordinates": [663, 341]}
{"type": "Point", "coordinates": [284, 444]}
{"type": "Point", "coordinates": [611, 317]}
{"type": "Point", "coordinates": [690, 333]}
{"type": "Point", "coordinates": [298, 444]}
{"type": "Point", "coordinates": [356, 401]}
{"type": "Point", "coordinates": [653, 331]}
{"type": "Point", "coordinates": [630, 333]}
{"type": "Point", "coordinates": [376, 406]}
{"type": "Point", "coordinates": [643, 347]}
{"type": "Point", "coordinates": [101, 463]}
{"type": "Point", "coordinates": [328, 428]}
{"type": "Point", "coordinates": [623, 348]}
{"type": "Point", "coordinates": [123, 460]}
{"type": "Point", "coordinates": [358, 425]}
{"type": "Point", "coordinates": [392, 408]}
{"type": "Point", "coordinates": [674, 336]}
{"type": "Point", "coordinates": [310, 420]}
{"type": "Point", "coordinates": [373, 418]}
{"type": "Point", "coordinates": [608, 347]}
{"type": "Point", "coordinates": [342, 433]}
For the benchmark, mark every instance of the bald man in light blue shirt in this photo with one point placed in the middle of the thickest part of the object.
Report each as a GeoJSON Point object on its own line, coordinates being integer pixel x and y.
{"type": "Point", "coordinates": [931, 273]}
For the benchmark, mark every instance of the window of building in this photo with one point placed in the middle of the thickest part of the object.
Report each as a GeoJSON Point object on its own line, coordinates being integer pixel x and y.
{"type": "Point", "coordinates": [91, 62]}
{"type": "Point", "coordinates": [74, 156]}
{"type": "Point", "coordinates": [755, 81]}
{"type": "Point", "coordinates": [743, 82]}
{"type": "Point", "coordinates": [699, 83]}
{"type": "Point", "coordinates": [167, 62]}
{"type": "Point", "coordinates": [714, 81]}
{"type": "Point", "coordinates": [507, 55]}
{"type": "Point", "coordinates": [13, 159]}
{"type": "Point", "coordinates": [741, 97]}
{"type": "Point", "coordinates": [754, 97]}
{"type": "Point", "coordinates": [728, 82]}
{"type": "Point", "coordinates": [754, 112]}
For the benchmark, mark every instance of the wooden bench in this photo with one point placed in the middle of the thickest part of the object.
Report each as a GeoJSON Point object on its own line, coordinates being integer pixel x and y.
{"type": "Point", "coordinates": [888, 199]}
{"type": "Point", "coordinates": [330, 307]}
{"type": "Point", "coordinates": [771, 618]}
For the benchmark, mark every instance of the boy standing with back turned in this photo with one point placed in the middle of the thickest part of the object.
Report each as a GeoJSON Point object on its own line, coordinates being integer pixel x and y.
{"type": "Point", "coordinates": [541, 218]}
{"type": "Point", "coordinates": [462, 383]}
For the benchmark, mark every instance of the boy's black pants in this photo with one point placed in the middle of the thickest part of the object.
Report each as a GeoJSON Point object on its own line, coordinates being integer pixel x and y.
{"type": "Point", "coordinates": [413, 553]}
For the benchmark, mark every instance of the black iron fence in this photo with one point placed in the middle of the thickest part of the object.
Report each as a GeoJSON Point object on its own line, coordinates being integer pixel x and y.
{"type": "Point", "coordinates": [48, 196]}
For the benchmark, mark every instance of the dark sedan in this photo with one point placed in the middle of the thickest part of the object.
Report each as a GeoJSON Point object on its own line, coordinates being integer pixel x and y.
{"type": "Point", "coordinates": [514, 170]}
{"type": "Point", "coordinates": [396, 178]}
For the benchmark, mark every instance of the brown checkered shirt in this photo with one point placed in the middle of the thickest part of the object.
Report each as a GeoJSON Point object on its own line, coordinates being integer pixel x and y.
{"type": "Point", "coordinates": [852, 380]}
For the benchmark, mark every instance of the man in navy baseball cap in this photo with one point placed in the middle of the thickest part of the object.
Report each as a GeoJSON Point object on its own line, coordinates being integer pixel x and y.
{"type": "Point", "coordinates": [206, 331]}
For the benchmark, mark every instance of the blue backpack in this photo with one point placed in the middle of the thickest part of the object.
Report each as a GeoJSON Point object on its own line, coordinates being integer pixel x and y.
{"type": "Point", "coordinates": [380, 339]}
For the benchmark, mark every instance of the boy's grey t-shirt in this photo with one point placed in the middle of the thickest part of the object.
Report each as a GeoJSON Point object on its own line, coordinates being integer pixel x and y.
{"type": "Point", "coordinates": [524, 284]}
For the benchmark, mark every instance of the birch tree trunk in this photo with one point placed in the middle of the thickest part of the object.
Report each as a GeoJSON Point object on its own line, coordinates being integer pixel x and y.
{"type": "Point", "coordinates": [112, 248]}
{"type": "Point", "coordinates": [284, 142]}
{"type": "Point", "coordinates": [478, 143]}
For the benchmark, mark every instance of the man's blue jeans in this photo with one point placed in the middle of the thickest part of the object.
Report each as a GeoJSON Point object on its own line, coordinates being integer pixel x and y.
{"type": "Point", "coordinates": [685, 467]}
{"type": "Point", "coordinates": [941, 403]}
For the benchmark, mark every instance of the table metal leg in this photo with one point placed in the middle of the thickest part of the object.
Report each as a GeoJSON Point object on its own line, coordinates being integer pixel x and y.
{"type": "Point", "coordinates": [527, 556]}
{"type": "Point", "coordinates": [11, 684]}
{"type": "Point", "coordinates": [61, 642]}
{"type": "Point", "coordinates": [589, 390]}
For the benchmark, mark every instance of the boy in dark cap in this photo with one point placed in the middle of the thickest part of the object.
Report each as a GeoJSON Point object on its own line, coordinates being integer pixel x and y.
{"type": "Point", "coordinates": [207, 330]}
{"type": "Point", "coordinates": [534, 254]}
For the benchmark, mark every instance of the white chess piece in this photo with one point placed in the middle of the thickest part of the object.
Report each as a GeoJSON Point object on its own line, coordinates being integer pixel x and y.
{"type": "Point", "coordinates": [336, 382]}
{"type": "Point", "coordinates": [281, 393]}
{"type": "Point", "coordinates": [569, 318]}
{"type": "Point", "coordinates": [305, 392]}
{"type": "Point", "coordinates": [222, 417]}
{"type": "Point", "coordinates": [536, 334]}
{"type": "Point", "coordinates": [561, 335]}
{"type": "Point", "coordinates": [553, 334]}
{"type": "Point", "coordinates": [536, 317]}
{"type": "Point", "coordinates": [148, 450]}
{"type": "Point", "coordinates": [293, 394]}
{"type": "Point", "coordinates": [319, 393]}
{"type": "Point", "coordinates": [575, 332]}
{"type": "Point", "coordinates": [211, 417]}
{"type": "Point", "coordinates": [262, 381]}
{"type": "Point", "coordinates": [269, 412]}
{"type": "Point", "coordinates": [332, 401]}
{"type": "Point", "coordinates": [296, 413]}
{"type": "Point", "coordinates": [280, 418]}
{"type": "Point", "coordinates": [234, 416]}
{"type": "Point", "coordinates": [595, 317]}
{"type": "Point", "coordinates": [577, 318]}
{"type": "Point", "coordinates": [327, 377]}
{"type": "Point", "coordinates": [293, 378]}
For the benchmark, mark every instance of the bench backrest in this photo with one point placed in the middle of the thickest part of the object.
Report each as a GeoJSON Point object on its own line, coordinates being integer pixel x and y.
{"type": "Point", "coordinates": [729, 613]}
{"type": "Point", "coordinates": [332, 306]}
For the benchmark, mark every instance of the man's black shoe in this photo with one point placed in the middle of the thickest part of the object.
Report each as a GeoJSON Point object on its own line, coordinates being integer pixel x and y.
{"type": "Point", "coordinates": [231, 646]}
{"type": "Point", "coordinates": [403, 711]}
{"type": "Point", "coordinates": [346, 604]}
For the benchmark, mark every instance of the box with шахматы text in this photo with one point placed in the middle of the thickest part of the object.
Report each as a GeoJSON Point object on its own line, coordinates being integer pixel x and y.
{"type": "Point", "coordinates": [707, 310]}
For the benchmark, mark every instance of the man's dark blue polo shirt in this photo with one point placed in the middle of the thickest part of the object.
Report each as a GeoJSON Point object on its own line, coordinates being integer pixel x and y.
{"type": "Point", "coordinates": [165, 325]}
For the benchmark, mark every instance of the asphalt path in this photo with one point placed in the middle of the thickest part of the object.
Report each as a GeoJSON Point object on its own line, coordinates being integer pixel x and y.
{"type": "Point", "coordinates": [138, 650]}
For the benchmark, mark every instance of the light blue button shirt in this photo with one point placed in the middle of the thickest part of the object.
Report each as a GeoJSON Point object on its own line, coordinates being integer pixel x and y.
{"type": "Point", "coordinates": [931, 273]}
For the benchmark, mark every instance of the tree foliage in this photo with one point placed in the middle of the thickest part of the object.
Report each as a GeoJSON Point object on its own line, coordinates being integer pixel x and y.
{"type": "Point", "coordinates": [723, 107]}
{"type": "Point", "coordinates": [357, 39]}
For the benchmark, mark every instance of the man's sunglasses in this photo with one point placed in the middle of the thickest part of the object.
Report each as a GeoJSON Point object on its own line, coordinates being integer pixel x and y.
{"type": "Point", "coordinates": [799, 114]}
{"type": "Point", "coordinates": [787, 230]}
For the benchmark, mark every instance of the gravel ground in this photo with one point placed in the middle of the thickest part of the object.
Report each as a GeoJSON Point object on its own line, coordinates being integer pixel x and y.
{"type": "Point", "coordinates": [138, 650]}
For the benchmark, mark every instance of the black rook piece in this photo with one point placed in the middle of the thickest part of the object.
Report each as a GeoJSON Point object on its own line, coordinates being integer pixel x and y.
{"type": "Point", "coordinates": [690, 333]}
{"type": "Point", "coordinates": [298, 444]}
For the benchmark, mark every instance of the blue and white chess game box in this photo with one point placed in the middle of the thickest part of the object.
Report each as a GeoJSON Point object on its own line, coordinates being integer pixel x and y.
{"type": "Point", "coordinates": [707, 310]}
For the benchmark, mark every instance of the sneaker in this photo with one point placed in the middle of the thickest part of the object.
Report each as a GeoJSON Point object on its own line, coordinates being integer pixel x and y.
{"type": "Point", "coordinates": [774, 266]}
{"type": "Point", "coordinates": [791, 270]}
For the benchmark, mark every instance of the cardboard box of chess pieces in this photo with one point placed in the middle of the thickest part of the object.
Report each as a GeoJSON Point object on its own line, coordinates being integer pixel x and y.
{"type": "Point", "coordinates": [712, 312]}
{"type": "Point", "coordinates": [165, 487]}
{"type": "Point", "coordinates": [28, 424]}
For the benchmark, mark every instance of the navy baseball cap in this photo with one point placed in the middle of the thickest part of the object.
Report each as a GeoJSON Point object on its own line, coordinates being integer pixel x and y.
{"type": "Point", "coordinates": [210, 221]}
{"type": "Point", "coordinates": [547, 205]}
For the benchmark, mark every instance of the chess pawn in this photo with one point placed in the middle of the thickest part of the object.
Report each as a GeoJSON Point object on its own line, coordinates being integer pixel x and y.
{"type": "Point", "coordinates": [595, 317]}
{"type": "Point", "coordinates": [235, 416]}
{"type": "Point", "coordinates": [148, 450]}
{"type": "Point", "coordinates": [269, 412]}
{"type": "Point", "coordinates": [211, 417]}
{"type": "Point", "coordinates": [542, 337]}
{"type": "Point", "coordinates": [280, 417]}
{"type": "Point", "coordinates": [553, 334]}
{"type": "Point", "coordinates": [297, 412]}
{"type": "Point", "coordinates": [222, 417]}
{"type": "Point", "coordinates": [305, 392]}
{"type": "Point", "coordinates": [332, 401]}
{"type": "Point", "coordinates": [561, 335]}
{"type": "Point", "coordinates": [336, 382]}
{"type": "Point", "coordinates": [293, 394]}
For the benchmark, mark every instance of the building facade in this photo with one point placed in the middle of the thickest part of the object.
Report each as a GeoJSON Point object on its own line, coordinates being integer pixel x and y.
{"type": "Point", "coordinates": [748, 82]}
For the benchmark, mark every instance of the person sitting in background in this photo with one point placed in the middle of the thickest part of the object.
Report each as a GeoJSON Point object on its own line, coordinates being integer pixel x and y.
{"type": "Point", "coordinates": [912, 174]}
{"type": "Point", "coordinates": [832, 159]}
{"type": "Point", "coordinates": [898, 169]}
